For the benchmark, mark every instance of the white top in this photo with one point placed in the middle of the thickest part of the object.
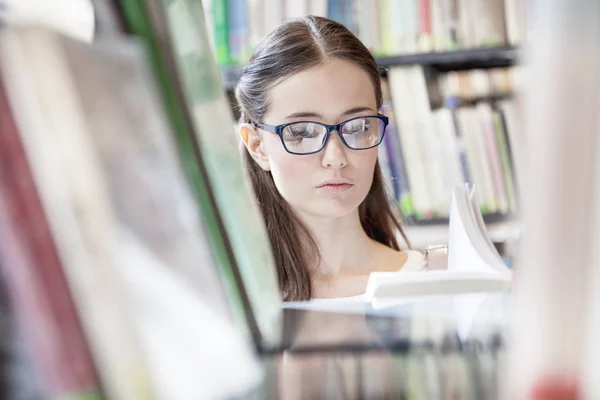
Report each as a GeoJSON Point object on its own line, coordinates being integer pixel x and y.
{"type": "Point", "coordinates": [414, 262]}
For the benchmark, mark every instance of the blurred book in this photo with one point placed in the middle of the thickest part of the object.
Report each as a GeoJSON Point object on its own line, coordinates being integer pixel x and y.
{"type": "Point", "coordinates": [211, 121]}
{"type": "Point", "coordinates": [129, 236]}
{"type": "Point", "coordinates": [386, 27]}
{"type": "Point", "coordinates": [448, 129]}
{"type": "Point", "coordinates": [74, 18]}
{"type": "Point", "coordinates": [54, 129]}
{"type": "Point", "coordinates": [34, 279]}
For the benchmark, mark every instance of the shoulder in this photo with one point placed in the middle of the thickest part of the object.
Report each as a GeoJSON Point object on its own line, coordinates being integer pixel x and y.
{"type": "Point", "coordinates": [415, 261]}
{"type": "Point", "coordinates": [391, 260]}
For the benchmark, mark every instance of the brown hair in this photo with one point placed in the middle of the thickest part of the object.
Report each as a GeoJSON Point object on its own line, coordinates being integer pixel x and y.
{"type": "Point", "coordinates": [291, 48]}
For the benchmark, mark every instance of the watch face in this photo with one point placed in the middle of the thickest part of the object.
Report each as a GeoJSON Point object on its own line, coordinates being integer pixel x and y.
{"type": "Point", "coordinates": [436, 257]}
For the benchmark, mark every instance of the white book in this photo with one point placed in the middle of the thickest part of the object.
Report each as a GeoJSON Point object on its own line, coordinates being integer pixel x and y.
{"type": "Point", "coordinates": [514, 14]}
{"type": "Point", "coordinates": [474, 265]}
{"type": "Point", "coordinates": [74, 18]}
{"type": "Point", "coordinates": [256, 21]}
{"type": "Point", "coordinates": [317, 8]}
{"type": "Point", "coordinates": [125, 224]}
{"type": "Point", "coordinates": [446, 134]}
{"type": "Point", "coordinates": [439, 30]}
{"type": "Point", "coordinates": [493, 164]}
{"type": "Point", "coordinates": [517, 140]}
{"type": "Point", "coordinates": [412, 141]}
{"type": "Point", "coordinates": [397, 25]}
{"type": "Point", "coordinates": [74, 196]}
{"type": "Point", "coordinates": [434, 166]}
{"type": "Point", "coordinates": [295, 8]}
{"type": "Point", "coordinates": [273, 14]}
{"type": "Point", "coordinates": [476, 157]}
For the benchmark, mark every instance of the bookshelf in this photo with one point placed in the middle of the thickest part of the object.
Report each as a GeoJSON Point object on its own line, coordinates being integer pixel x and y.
{"type": "Point", "coordinates": [492, 57]}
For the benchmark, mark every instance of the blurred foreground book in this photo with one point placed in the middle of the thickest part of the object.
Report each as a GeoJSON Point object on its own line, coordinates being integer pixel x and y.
{"type": "Point", "coordinates": [128, 236]}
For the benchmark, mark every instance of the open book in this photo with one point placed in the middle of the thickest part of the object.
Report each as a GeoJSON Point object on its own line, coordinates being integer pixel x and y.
{"type": "Point", "coordinates": [474, 265]}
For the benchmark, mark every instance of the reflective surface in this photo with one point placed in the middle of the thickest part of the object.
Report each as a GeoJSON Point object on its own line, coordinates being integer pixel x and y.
{"type": "Point", "coordinates": [448, 348]}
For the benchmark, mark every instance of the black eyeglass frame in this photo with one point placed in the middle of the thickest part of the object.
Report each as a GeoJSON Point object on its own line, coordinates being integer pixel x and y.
{"type": "Point", "coordinates": [278, 130]}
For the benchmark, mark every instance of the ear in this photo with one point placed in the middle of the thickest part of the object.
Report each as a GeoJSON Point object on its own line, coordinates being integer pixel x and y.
{"type": "Point", "coordinates": [253, 141]}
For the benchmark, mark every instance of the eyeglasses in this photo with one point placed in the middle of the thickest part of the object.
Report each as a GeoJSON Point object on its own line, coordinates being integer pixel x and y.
{"type": "Point", "coordinates": [307, 137]}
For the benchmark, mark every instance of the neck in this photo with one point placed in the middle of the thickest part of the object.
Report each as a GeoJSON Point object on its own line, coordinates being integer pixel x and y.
{"type": "Point", "coordinates": [342, 242]}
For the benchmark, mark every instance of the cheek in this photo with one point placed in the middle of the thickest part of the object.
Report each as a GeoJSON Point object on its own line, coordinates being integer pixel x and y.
{"type": "Point", "coordinates": [291, 173]}
{"type": "Point", "coordinates": [364, 165]}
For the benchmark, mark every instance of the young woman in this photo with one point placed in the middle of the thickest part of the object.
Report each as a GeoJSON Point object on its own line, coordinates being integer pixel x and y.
{"type": "Point", "coordinates": [309, 101]}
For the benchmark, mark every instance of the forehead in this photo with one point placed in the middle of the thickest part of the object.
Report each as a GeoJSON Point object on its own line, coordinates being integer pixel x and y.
{"type": "Point", "coordinates": [329, 89]}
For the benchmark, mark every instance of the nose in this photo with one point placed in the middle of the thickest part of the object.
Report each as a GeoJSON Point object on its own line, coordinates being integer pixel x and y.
{"type": "Point", "coordinates": [334, 153]}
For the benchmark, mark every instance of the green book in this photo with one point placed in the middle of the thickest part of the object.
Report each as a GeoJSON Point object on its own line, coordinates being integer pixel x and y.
{"type": "Point", "coordinates": [505, 162]}
{"type": "Point", "coordinates": [221, 31]}
{"type": "Point", "coordinates": [191, 84]}
{"type": "Point", "coordinates": [211, 115]}
{"type": "Point", "coordinates": [139, 23]}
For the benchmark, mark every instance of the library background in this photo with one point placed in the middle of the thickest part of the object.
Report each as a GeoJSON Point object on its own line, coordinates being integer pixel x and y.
{"type": "Point", "coordinates": [134, 259]}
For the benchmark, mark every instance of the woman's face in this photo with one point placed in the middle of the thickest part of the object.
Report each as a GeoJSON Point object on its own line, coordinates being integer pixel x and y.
{"type": "Point", "coordinates": [333, 182]}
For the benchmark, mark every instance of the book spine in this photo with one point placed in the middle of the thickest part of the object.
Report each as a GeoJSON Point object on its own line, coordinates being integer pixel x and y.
{"type": "Point", "coordinates": [425, 40]}
{"type": "Point", "coordinates": [387, 27]}
{"type": "Point", "coordinates": [493, 164]}
{"type": "Point", "coordinates": [347, 8]}
{"type": "Point", "coordinates": [400, 79]}
{"type": "Point", "coordinates": [256, 15]}
{"type": "Point", "coordinates": [318, 8]}
{"type": "Point", "coordinates": [396, 160]}
{"type": "Point", "coordinates": [31, 267]}
{"type": "Point", "coordinates": [507, 170]}
{"type": "Point", "coordinates": [334, 10]}
{"type": "Point", "coordinates": [238, 31]}
{"type": "Point", "coordinates": [221, 26]}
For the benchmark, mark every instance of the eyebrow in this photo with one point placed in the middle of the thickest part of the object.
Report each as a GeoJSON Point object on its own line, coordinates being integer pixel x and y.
{"type": "Point", "coordinates": [351, 111]}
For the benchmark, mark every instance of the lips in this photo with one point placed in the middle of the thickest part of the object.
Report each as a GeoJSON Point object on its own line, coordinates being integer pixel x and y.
{"type": "Point", "coordinates": [335, 185]}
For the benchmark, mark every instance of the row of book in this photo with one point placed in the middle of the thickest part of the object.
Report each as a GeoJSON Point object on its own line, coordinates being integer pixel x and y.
{"type": "Point", "coordinates": [387, 27]}
{"type": "Point", "coordinates": [126, 227]}
{"type": "Point", "coordinates": [448, 129]}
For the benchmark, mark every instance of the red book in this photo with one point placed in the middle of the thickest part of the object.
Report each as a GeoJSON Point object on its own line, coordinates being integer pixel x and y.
{"type": "Point", "coordinates": [32, 271]}
{"type": "Point", "coordinates": [424, 17]}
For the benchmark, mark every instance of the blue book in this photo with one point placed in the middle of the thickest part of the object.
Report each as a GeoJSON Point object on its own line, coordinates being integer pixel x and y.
{"type": "Point", "coordinates": [239, 30]}
{"type": "Point", "coordinates": [334, 11]}
{"type": "Point", "coordinates": [452, 104]}
{"type": "Point", "coordinates": [397, 167]}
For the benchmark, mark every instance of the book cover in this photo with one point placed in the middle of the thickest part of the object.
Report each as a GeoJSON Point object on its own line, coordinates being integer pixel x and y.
{"type": "Point", "coordinates": [163, 64]}
{"type": "Point", "coordinates": [66, 172]}
{"type": "Point", "coordinates": [207, 107]}
{"type": "Point", "coordinates": [32, 271]}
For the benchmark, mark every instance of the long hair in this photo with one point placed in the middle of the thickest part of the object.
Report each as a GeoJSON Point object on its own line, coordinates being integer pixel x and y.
{"type": "Point", "coordinates": [291, 48]}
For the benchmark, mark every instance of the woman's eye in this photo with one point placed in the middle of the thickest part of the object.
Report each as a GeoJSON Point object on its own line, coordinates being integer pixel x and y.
{"type": "Point", "coordinates": [301, 134]}
{"type": "Point", "coordinates": [359, 126]}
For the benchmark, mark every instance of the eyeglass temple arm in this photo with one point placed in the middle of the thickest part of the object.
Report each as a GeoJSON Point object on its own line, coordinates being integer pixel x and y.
{"type": "Point", "coordinates": [269, 128]}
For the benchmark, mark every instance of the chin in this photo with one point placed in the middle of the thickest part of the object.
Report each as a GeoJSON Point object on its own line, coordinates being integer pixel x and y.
{"type": "Point", "coordinates": [335, 208]}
